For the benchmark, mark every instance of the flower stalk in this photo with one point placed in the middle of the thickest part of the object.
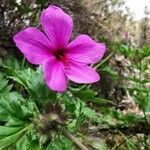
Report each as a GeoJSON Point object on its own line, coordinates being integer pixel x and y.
{"type": "Point", "coordinates": [74, 139]}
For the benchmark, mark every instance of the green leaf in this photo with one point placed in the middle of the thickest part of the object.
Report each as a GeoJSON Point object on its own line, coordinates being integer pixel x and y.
{"type": "Point", "coordinates": [6, 131]}
{"type": "Point", "coordinates": [13, 63]}
{"type": "Point", "coordinates": [4, 87]}
{"type": "Point", "coordinates": [25, 144]}
{"type": "Point", "coordinates": [33, 82]}
{"type": "Point", "coordinates": [143, 99]}
{"type": "Point", "coordinates": [13, 104]}
{"type": "Point", "coordinates": [108, 70]}
{"type": "Point", "coordinates": [61, 143]}
{"type": "Point", "coordinates": [90, 113]}
{"type": "Point", "coordinates": [84, 94]}
{"type": "Point", "coordinates": [90, 96]}
{"type": "Point", "coordinates": [145, 51]}
{"type": "Point", "coordinates": [12, 139]}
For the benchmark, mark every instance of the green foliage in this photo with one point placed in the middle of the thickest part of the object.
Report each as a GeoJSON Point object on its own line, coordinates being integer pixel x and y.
{"type": "Point", "coordinates": [12, 138]}
{"type": "Point", "coordinates": [60, 143]}
{"type": "Point", "coordinates": [4, 88]}
{"type": "Point", "coordinates": [28, 107]}
{"type": "Point", "coordinates": [32, 117]}
{"type": "Point", "coordinates": [90, 96]}
{"type": "Point", "coordinates": [31, 81]}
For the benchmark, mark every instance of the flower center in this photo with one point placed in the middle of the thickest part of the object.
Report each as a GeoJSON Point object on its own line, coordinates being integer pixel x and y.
{"type": "Point", "coordinates": [59, 54]}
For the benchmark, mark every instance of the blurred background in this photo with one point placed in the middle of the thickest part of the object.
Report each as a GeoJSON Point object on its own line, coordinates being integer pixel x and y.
{"type": "Point", "coordinates": [115, 19]}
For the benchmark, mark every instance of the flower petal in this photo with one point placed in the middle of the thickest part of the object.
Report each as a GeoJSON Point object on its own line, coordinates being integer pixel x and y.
{"type": "Point", "coordinates": [34, 45]}
{"type": "Point", "coordinates": [81, 73]}
{"type": "Point", "coordinates": [54, 75]}
{"type": "Point", "coordinates": [57, 25]}
{"type": "Point", "coordinates": [84, 49]}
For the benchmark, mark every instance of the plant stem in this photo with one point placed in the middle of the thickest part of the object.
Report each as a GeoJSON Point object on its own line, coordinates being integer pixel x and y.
{"type": "Point", "coordinates": [104, 60]}
{"type": "Point", "coordinates": [23, 62]}
{"type": "Point", "coordinates": [74, 139]}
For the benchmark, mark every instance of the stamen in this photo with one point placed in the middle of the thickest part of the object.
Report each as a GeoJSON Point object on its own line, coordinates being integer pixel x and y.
{"type": "Point", "coordinates": [59, 54]}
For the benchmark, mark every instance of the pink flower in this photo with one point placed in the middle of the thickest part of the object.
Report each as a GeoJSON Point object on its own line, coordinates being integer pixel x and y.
{"type": "Point", "coordinates": [126, 35]}
{"type": "Point", "coordinates": [60, 59]}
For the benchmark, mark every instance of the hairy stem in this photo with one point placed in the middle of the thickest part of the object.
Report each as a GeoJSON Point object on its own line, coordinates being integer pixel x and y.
{"type": "Point", "coordinates": [74, 139]}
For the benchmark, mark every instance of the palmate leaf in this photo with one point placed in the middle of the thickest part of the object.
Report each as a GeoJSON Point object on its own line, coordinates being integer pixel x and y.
{"type": "Point", "coordinates": [81, 111]}
{"type": "Point", "coordinates": [38, 88]}
{"type": "Point", "coordinates": [33, 82]}
{"type": "Point", "coordinates": [15, 106]}
{"type": "Point", "coordinates": [17, 113]}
